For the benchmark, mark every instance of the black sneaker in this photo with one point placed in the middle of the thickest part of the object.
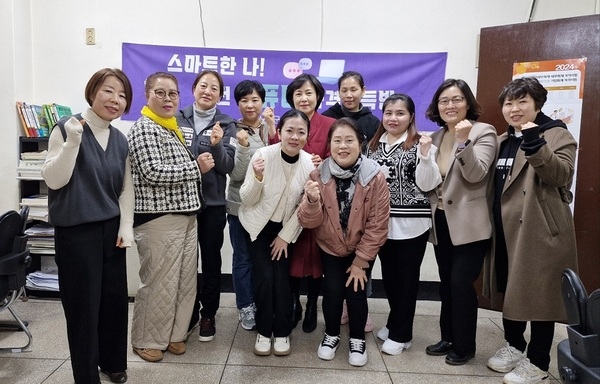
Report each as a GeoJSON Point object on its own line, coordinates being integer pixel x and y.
{"type": "Point", "coordinates": [207, 329]}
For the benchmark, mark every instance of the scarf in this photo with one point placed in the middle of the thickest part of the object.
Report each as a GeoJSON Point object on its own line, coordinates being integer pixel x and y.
{"type": "Point", "coordinates": [170, 123]}
{"type": "Point", "coordinates": [345, 180]}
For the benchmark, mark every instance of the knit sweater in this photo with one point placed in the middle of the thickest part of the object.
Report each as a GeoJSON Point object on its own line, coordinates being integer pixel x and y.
{"type": "Point", "coordinates": [62, 170]}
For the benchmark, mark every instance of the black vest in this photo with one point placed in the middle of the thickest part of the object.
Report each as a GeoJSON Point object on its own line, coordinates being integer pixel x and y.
{"type": "Point", "coordinates": [92, 193]}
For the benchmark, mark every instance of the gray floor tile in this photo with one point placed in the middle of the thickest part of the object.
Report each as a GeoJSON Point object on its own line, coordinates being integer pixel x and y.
{"type": "Point", "coordinates": [229, 357]}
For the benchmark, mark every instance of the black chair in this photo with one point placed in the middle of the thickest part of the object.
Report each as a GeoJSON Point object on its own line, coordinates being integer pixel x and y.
{"type": "Point", "coordinates": [578, 356]}
{"type": "Point", "coordinates": [14, 259]}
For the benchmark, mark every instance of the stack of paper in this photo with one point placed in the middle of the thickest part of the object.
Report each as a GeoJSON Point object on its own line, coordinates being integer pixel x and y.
{"type": "Point", "coordinates": [45, 280]}
{"type": "Point", "coordinates": [40, 238]}
{"type": "Point", "coordinates": [30, 165]}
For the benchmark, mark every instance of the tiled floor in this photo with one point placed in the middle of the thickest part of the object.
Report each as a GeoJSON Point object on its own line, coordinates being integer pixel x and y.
{"type": "Point", "coordinates": [229, 357]}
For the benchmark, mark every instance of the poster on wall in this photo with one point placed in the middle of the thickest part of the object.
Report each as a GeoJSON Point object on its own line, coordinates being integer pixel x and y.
{"type": "Point", "coordinates": [563, 79]}
{"type": "Point", "coordinates": [416, 74]}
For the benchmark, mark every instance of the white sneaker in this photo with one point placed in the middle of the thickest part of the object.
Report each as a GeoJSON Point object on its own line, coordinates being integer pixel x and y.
{"type": "Point", "coordinates": [262, 346]}
{"type": "Point", "coordinates": [392, 347]}
{"type": "Point", "coordinates": [506, 359]}
{"type": "Point", "coordinates": [357, 356]}
{"type": "Point", "coordinates": [281, 346]}
{"type": "Point", "coordinates": [383, 334]}
{"type": "Point", "coordinates": [328, 347]}
{"type": "Point", "coordinates": [246, 317]}
{"type": "Point", "coordinates": [525, 373]}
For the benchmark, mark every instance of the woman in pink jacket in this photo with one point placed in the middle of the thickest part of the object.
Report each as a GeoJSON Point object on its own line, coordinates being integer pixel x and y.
{"type": "Point", "coordinates": [347, 201]}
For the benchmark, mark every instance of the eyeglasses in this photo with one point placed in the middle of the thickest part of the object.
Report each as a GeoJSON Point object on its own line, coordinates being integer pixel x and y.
{"type": "Point", "coordinates": [161, 93]}
{"type": "Point", "coordinates": [455, 100]}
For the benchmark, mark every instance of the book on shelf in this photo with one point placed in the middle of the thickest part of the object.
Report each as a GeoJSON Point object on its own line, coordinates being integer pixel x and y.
{"type": "Point", "coordinates": [60, 111]}
{"type": "Point", "coordinates": [47, 108]}
{"type": "Point", "coordinates": [38, 120]}
{"type": "Point", "coordinates": [26, 122]}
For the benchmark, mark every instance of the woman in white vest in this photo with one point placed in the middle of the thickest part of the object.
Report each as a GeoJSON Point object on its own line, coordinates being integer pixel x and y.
{"type": "Point", "coordinates": [270, 194]}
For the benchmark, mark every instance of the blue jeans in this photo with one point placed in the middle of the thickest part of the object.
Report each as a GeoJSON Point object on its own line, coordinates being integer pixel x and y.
{"type": "Point", "coordinates": [241, 272]}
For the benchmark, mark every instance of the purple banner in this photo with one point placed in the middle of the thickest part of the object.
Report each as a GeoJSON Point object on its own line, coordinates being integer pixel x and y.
{"type": "Point", "coordinates": [416, 74]}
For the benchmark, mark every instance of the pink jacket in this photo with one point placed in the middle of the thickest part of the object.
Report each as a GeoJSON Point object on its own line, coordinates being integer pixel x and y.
{"type": "Point", "coordinates": [368, 223]}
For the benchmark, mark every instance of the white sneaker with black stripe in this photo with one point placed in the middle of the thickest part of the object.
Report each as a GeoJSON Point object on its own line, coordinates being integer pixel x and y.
{"type": "Point", "coordinates": [328, 347]}
{"type": "Point", "coordinates": [357, 355]}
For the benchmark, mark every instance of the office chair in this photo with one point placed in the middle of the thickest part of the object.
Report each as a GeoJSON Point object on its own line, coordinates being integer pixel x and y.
{"type": "Point", "coordinates": [14, 259]}
{"type": "Point", "coordinates": [578, 356]}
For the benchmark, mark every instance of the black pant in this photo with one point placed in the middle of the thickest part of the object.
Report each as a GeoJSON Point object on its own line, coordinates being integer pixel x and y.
{"type": "Point", "coordinates": [271, 285]}
{"type": "Point", "coordinates": [334, 293]}
{"type": "Point", "coordinates": [458, 266]}
{"type": "Point", "coordinates": [93, 290]}
{"type": "Point", "coordinates": [211, 227]}
{"type": "Point", "coordinates": [400, 269]}
{"type": "Point", "coordinates": [542, 333]}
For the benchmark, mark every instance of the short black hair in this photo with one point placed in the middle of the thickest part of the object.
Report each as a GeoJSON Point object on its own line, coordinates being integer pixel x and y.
{"type": "Point", "coordinates": [298, 82]}
{"type": "Point", "coordinates": [246, 87]}
{"type": "Point", "coordinates": [522, 87]}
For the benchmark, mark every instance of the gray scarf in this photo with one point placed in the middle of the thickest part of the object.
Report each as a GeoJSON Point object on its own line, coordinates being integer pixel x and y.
{"type": "Point", "coordinates": [345, 181]}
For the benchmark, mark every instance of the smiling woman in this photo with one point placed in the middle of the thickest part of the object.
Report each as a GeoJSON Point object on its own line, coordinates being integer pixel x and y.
{"type": "Point", "coordinates": [90, 205]}
{"type": "Point", "coordinates": [269, 195]}
{"type": "Point", "coordinates": [347, 243]}
{"type": "Point", "coordinates": [166, 180]}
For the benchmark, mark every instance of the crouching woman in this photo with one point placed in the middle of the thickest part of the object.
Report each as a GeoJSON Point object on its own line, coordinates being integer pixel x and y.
{"type": "Point", "coordinates": [347, 200]}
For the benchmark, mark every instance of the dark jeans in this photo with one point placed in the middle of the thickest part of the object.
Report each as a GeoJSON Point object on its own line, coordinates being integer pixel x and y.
{"type": "Point", "coordinates": [271, 285]}
{"type": "Point", "coordinates": [400, 270]}
{"type": "Point", "coordinates": [93, 291]}
{"type": "Point", "coordinates": [241, 271]}
{"type": "Point", "coordinates": [542, 333]}
{"type": "Point", "coordinates": [334, 293]}
{"type": "Point", "coordinates": [211, 229]}
{"type": "Point", "coordinates": [458, 266]}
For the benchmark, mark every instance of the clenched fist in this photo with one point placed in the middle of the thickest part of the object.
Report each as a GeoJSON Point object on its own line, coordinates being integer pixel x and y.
{"type": "Point", "coordinates": [462, 130]}
{"type": "Point", "coordinates": [425, 144]}
{"type": "Point", "coordinates": [217, 134]}
{"type": "Point", "coordinates": [205, 162]}
{"type": "Point", "coordinates": [242, 137]}
{"type": "Point", "coordinates": [311, 189]}
{"type": "Point", "coordinates": [258, 166]}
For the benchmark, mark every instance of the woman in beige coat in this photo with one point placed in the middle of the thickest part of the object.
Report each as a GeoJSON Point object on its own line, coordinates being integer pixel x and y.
{"type": "Point", "coordinates": [534, 230]}
{"type": "Point", "coordinates": [462, 225]}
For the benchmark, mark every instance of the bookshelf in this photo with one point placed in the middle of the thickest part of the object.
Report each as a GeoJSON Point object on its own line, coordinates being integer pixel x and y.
{"type": "Point", "coordinates": [33, 192]}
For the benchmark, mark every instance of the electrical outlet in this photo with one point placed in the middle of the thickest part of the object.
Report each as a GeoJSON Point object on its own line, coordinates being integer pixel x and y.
{"type": "Point", "coordinates": [90, 36]}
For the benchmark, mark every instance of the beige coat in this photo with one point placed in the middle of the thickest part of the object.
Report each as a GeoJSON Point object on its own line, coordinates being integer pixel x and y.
{"type": "Point", "coordinates": [539, 230]}
{"type": "Point", "coordinates": [466, 189]}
